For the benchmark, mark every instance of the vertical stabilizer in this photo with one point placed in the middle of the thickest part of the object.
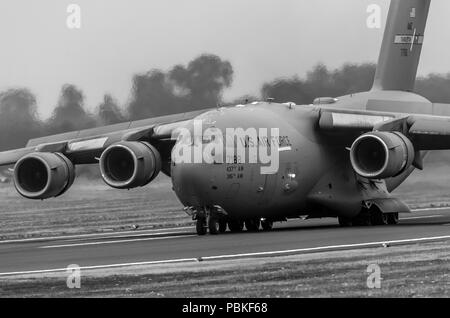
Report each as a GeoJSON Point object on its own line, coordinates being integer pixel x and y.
{"type": "Point", "coordinates": [402, 45]}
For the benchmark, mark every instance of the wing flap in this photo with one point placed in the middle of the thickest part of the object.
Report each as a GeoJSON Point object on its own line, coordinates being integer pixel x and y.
{"type": "Point", "coordinates": [430, 133]}
{"type": "Point", "coordinates": [427, 132]}
{"type": "Point", "coordinates": [335, 120]}
{"type": "Point", "coordinates": [435, 126]}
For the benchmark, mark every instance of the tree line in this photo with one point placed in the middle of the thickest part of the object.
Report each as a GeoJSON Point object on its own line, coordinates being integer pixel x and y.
{"type": "Point", "coordinates": [198, 85]}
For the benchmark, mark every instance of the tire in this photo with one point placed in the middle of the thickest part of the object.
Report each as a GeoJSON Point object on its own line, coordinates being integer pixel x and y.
{"type": "Point", "coordinates": [379, 218]}
{"type": "Point", "coordinates": [253, 225]}
{"type": "Point", "coordinates": [222, 226]}
{"type": "Point", "coordinates": [236, 226]}
{"type": "Point", "coordinates": [392, 218]}
{"type": "Point", "coordinates": [384, 219]}
{"type": "Point", "coordinates": [200, 226]}
{"type": "Point", "coordinates": [267, 225]}
{"type": "Point", "coordinates": [213, 225]}
{"type": "Point", "coordinates": [363, 219]}
{"type": "Point", "coordinates": [345, 222]}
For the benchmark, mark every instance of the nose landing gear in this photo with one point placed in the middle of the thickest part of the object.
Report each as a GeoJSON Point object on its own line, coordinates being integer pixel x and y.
{"type": "Point", "coordinates": [216, 224]}
{"type": "Point", "coordinates": [216, 221]}
{"type": "Point", "coordinates": [208, 219]}
{"type": "Point", "coordinates": [211, 223]}
{"type": "Point", "coordinates": [200, 226]}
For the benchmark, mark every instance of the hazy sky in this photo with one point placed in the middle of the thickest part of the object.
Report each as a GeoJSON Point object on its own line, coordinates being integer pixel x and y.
{"type": "Point", "coordinates": [263, 39]}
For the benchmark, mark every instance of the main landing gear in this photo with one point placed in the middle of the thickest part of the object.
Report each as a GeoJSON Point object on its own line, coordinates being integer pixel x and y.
{"type": "Point", "coordinates": [214, 225]}
{"type": "Point", "coordinates": [370, 217]}
{"type": "Point", "coordinates": [216, 222]}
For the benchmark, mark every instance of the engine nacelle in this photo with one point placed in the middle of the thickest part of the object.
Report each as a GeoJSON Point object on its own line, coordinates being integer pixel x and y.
{"type": "Point", "coordinates": [43, 175]}
{"type": "Point", "coordinates": [381, 155]}
{"type": "Point", "coordinates": [130, 164]}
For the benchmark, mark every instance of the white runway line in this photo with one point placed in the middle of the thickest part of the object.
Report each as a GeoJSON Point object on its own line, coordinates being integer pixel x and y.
{"type": "Point", "coordinates": [161, 231]}
{"type": "Point", "coordinates": [128, 239]}
{"type": "Point", "coordinates": [174, 261]}
{"type": "Point", "coordinates": [116, 241]}
{"type": "Point", "coordinates": [422, 217]}
{"type": "Point", "coordinates": [127, 236]}
{"type": "Point", "coordinates": [251, 255]}
{"type": "Point", "coordinates": [331, 248]}
{"type": "Point", "coordinates": [168, 237]}
{"type": "Point", "coordinates": [431, 209]}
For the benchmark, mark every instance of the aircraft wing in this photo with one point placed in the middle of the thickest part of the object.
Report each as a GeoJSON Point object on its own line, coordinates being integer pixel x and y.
{"type": "Point", "coordinates": [85, 146]}
{"type": "Point", "coordinates": [427, 132]}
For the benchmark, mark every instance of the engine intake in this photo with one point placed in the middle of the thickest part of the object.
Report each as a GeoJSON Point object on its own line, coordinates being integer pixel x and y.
{"type": "Point", "coordinates": [130, 164]}
{"type": "Point", "coordinates": [43, 175]}
{"type": "Point", "coordinates": [381, 155]}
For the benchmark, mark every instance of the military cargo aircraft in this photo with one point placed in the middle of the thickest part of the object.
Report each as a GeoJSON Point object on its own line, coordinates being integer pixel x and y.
{"type": "Point", "coordinates": [338, 157]}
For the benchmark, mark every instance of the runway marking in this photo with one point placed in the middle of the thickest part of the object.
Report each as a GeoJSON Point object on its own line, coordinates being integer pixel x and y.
{"type": "Point", "coordinates": [431, 209]}
{"type": "Point", "coordinates": [138, 233]}
{"type": "Point", "coordinates": [102, 235]}
{"type": "Point", "coordinates": [119, 235]}
{"type": "Point", "coordinates": [330, 248]}
{"type": "Point", "coordinates": [164, 233]}
{"type": "Point", "coordinates": [247, 255]}
{"type": "Point", "coordinates": [116, 241]}
{"type": "Point", "coordinates": [422, 217]}
{"type": "Point", "coordinates": [173, 261]}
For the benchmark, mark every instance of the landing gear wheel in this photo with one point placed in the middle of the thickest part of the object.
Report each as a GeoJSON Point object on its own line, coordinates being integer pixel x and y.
{"type": "Point", "coordinates": [222, 226]}
{"type": "Point", "coordinates": [252, 225]}
{"type": "Point", "coordinates": [392, 218]}
{"type": "Point", "coordinates": [345, 222]}
{"type": "Point", "coordinates": [363, 219]}
{"type": "Point", "coordinates": [200, 226]}
{"type": "Point", "coordinates": [236, 226]}
{"type": "Point", "coordinates": [379, 218]}
{"type": "Point", "coordinates": [267, 225]}
{"type": "Point", "coordinates": [213, 225]}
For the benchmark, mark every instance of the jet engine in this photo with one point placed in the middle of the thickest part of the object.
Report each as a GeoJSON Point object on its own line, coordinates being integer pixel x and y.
{"type": "Point", "coordinates": [130, 164]}
{"type": "Point", "coordinates": [43, 175]}
{"type": "Point", "coordinates": [381, 155]}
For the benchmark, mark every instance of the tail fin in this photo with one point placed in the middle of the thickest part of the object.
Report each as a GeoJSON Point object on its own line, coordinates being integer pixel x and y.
{"type": "Point", "coordinates": [402, 45]}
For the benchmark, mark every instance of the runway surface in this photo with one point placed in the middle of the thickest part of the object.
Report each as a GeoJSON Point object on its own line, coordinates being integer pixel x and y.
{"type": "Point", "coordinates": [183, 244]}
